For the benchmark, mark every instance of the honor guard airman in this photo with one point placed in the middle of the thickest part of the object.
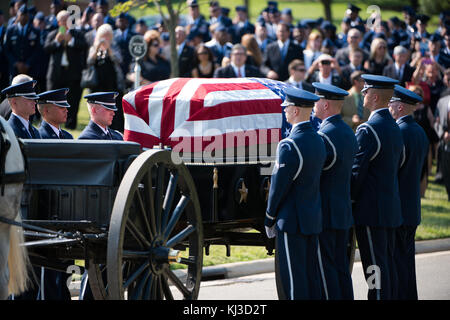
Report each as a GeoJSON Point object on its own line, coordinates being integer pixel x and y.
{"type": "Point", "coordinates": [341, 147]}
{"type": "Point", "coordinates": [294, 207]}
{"type": "Point", "coordinates": [402, 107]}
{"type": "Point", "coordinates": [53, 106]}
{"type": "Point", "coordinates": [102, 107]}
{"type": "Point", "coordinates": [22, 99]}
{"type": "Point", "coordinates": [377, 208]}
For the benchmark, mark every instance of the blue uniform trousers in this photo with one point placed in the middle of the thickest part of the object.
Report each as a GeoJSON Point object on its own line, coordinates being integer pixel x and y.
{"type": "Point", "coordinates": [405, 250]}
{"type": "Point", "coordinates": [375, 251]}
{"type": "Point", "coordinates": [335, 261]}
{"type": "Point", "coordinates": [298, 264]}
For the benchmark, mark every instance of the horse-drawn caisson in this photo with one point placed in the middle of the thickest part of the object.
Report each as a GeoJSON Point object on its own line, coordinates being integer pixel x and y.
{"type": "Point", "coordinates": [137, 212]}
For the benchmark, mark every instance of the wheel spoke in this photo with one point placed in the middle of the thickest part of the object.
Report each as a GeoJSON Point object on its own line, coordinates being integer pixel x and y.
{"type": "Point", "coordinates": [159, 196]}
{"type": "Point", "coordinates": [178, 283]}
{"type": "Point", "coordinates": [170, 193]}
{"type": "Point", "coordinates": [137, 234]}
{"type": "Point", "coordinates": [176, 216]}
{"type": "Point", "coordinates": [138, 290]}
{"type": "Point", "coordinates": [165, 288]}
{"type": "Point", "coordinates": [144, 214]}
{"type": "Point", "coordinates": [180, 236]}
{"type": "Point", "coordinates": [149, 200]}
{"type": "Point", "coordinates": [135, 274]}
{"type": "Point", "coordinates": [148, 287]}
{"type": "Point", "coordinates": [133, 254]}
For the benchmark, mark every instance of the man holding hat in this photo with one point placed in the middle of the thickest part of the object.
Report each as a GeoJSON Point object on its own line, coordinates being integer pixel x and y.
{"type": "Point", "coordinates": [22, 99]}
{"type": "Point", "coordinates": [377, 207]}
{"type": "Point", "coordinates": [102, 107]}
{"type": "Point", "coordinates": [294, 207]}
{"type": "Point", "coordinates": [341, 147]}
{"type": "Point", "coordinates": [53, 106]}
{"type": "Point", "coordinates": [402, 107]}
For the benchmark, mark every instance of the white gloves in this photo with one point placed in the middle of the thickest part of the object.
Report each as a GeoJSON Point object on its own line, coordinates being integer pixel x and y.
{"type": "Point", "coordinates": [271, 232]}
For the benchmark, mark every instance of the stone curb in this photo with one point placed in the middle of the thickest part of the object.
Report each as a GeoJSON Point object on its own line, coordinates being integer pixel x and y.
{"type": "Point", "coordinates": [246, 268]}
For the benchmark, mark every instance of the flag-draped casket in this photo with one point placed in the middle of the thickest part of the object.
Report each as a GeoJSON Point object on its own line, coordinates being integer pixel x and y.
{"type": "Point", "coordinates": [207, 118]}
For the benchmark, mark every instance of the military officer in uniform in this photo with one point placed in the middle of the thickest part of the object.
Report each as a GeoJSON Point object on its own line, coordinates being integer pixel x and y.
{"type": "Point", "coordinates": [53, 106]}
{"type": "Point", "coordinates": [341, 147]}
{"type": "Point", "coordinates": [294, 213]}
{"type": "Point", "coordinates": [102, 107]}
{"type": "Point", "coordinates": [402, 107]}
{"type": "Point", "coordinates": [22, 99]}
{"type": "Point", "coordinates": [374, 188]}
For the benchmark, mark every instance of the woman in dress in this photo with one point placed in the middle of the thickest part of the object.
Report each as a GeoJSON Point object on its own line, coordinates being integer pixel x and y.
{"type": "Point", "coordinates": [379, 57]}
{"type": "Point", "coordinates": [204, 65]}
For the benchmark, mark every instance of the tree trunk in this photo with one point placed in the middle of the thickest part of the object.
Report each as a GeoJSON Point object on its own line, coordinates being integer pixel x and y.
{"type": "Point", "coordinates": [327, 9]}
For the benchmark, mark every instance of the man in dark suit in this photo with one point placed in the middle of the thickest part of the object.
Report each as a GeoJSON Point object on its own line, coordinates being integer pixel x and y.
{"type": "Point", "coordinates": [242, 25]}
{"type": "Point", "coordinates": [122, 37]}
{"type": "Point", "coordinates": [375, 193]}
{"type": "Point", "coordinates": [354, 38]}
{"type": "Point", "coordinates": [4, 68]}
{"type": "Point", "coordinates": [53, 106]}
{"type": "Point", "coordinates": [67, 49]}
{"type": "Point", "coordinates": [297, 72]}
{"type": "Point", "coordinates": [102, 107]}
{"type": "Point", "coordinates": [237, 68]}
{"type": "Point", "coordinates": [356, 64]}
{"type": "Point", "coordinates": [328, 71]}
{"type": "Point", "coordinates": [400, 70]}
{"type": "Point", "coordinates": [402, 107]}
{"type": "Point", "coordinates": [21, 45]}
{"type": "Point", "coordinates": [22, 97]}
{"type": "Point", "coordinates": [186, 53]}
{"type": "Point", "coordinates": [294, 214]}
{"type": "Point", "coordinates": [280, 53]}
{"type": "Point", "coordinates": [341, 146]}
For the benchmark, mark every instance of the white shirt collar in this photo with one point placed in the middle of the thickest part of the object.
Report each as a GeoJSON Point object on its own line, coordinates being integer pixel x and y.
{"type": "Point", "coordinates": [24, 122]}
{"type": "Point", "coordinates": [375, 111]}
{"type": "Point", "coordinates": [281, 44]}
{"type": "Point", "coordinates": [325, 80]}
{"type": "Point", "coordinates": [55, 129]}
{"type": "Point", "coordinates": [242, 69]}
{"type": "Point", "coordinates": [104, 130]}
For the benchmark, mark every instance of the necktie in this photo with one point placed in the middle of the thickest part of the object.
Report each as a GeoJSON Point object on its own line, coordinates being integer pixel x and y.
{"type": "Point", "coordinates": [239, 73]}
{"type": "Point", "coordinates": [109, 134]}
{"type": "Point", "coordinates": [30, 129]}
{"type": "Point", "coordinates": [283, 51]}
{"type": "Point", "coordinates": [60, 134]}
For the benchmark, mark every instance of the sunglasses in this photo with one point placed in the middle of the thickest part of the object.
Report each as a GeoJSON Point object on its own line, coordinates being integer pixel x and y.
{"type": "Point", "coordinates": [300, 69]}
{"type": "Point", "coordinates": [203, 52]}
{"type": "Point", "coordinates": [156, 44]}
{"type": "Point", "coordinates": [325, 62]}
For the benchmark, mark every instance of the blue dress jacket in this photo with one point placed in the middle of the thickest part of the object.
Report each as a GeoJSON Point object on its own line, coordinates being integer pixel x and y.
{"type": "Point", "coordinates": [294, 197]}
{"type": "Point", "coordinates": [94, 132]}
{"type": "Point", "coordinates": [341, 147]}
{"type": "Point", "coordinates": [375, 190]}
{"type": "Point", "coordinates": [415, 153]}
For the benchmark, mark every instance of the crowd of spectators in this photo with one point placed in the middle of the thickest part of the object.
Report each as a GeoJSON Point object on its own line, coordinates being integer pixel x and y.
{"type": "Point", "coordinates": [275, 46]}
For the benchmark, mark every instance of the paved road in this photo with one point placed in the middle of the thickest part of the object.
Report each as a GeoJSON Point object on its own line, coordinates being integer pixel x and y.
{"type": "Point", "coordinates": [433, 281]}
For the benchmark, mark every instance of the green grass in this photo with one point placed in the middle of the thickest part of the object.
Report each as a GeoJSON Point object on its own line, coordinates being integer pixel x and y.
{"type": "Point", "coordinates": [435, 212]}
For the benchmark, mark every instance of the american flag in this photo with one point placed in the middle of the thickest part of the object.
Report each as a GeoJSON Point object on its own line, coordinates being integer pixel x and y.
{"type": "Point", "coordinates": [202, 110]}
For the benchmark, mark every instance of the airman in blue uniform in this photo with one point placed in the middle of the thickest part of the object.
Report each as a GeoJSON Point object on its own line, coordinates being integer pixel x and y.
{"type": "Point", "coordinates": [22, 45]}
{"type": "Point", "coordinates": [294, 213]}
{"type": "Point", "coordinates": [53, 107]}
{"type": "Point", "coordinates": [102, 107]}
{"type": "Point", "coordinates": [375, 192]}
{"type": "Point", "coordinates": [341, 147]}
{"type": "Point", "coordinates": [402, 107]}
{"type": "Point", "coordinates": [22, 99]}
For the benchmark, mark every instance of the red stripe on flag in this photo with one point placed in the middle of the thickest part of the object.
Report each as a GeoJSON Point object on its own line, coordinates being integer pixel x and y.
{"type": "Point", "coordinates": [145, 140]}
{"type": "Point", "coordinates": [168, 113]}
